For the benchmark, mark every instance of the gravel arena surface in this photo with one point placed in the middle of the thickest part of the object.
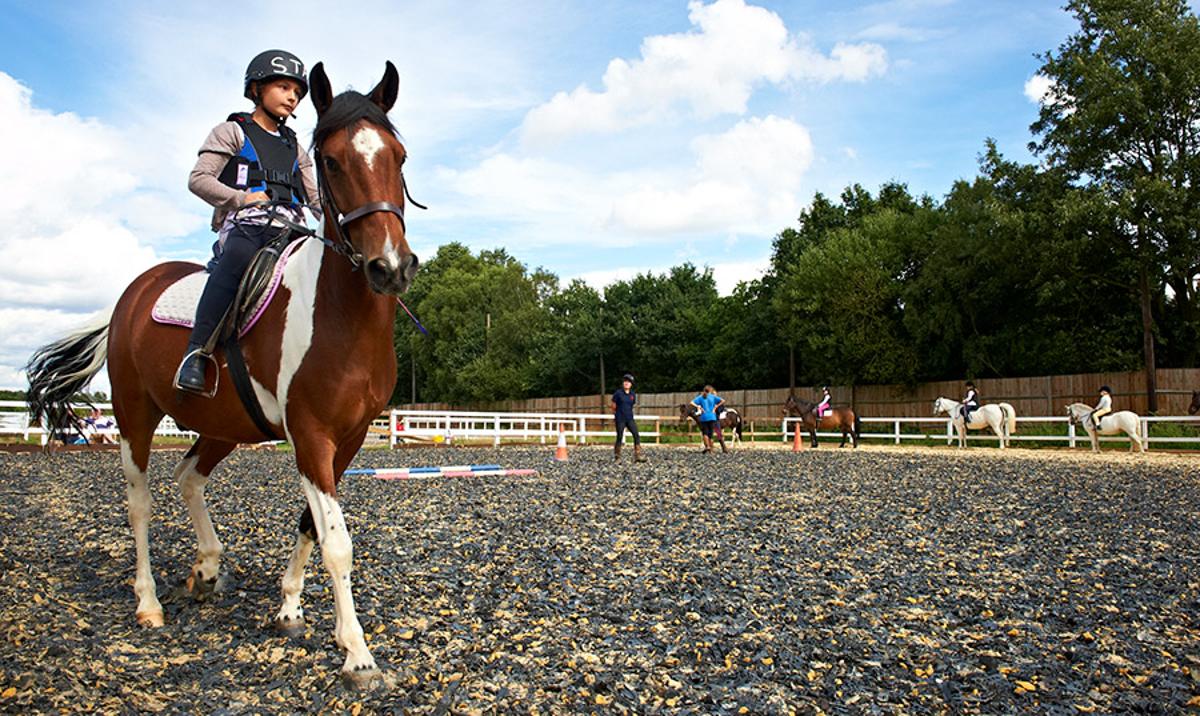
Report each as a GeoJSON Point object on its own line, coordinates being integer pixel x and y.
{"type": "Point", "coordinates": [877, 581]}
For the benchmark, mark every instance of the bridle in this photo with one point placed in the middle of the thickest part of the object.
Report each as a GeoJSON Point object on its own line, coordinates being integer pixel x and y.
{"type": "Point", "coordinates": [342, 245]}
{"type": "Point", "coordinates": [339, 221]}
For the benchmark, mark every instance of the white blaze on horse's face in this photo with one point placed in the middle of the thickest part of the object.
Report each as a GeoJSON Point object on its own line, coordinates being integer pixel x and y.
{"type": "Point", "coordinates": [367, 142]}
{"type": "Point", "coordinates": [369, 161]}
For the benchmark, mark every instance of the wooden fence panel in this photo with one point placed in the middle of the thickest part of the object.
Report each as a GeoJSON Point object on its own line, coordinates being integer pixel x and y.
{"type": "Point", "coordinates": [1036, 395]}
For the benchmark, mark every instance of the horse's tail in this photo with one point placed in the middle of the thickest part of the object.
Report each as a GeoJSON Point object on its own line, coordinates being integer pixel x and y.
{"type": "Point", "coordinates": [857, 428]}
{"type": "Point", "coordinates": [59, 370]}
{"type": "Point", "coordinates": [1010, 416]}
{"type": "Point", "coordinates": [738, 426]}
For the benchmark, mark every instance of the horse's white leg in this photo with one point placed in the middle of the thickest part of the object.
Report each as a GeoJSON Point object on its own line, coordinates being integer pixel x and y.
{"type": "Point", "coordinates": [1135, 439]}
{"type": "Point", "coordinates": [338, 554]}
{"type": "Point", "coordinates": [290, 617]}
{"type": "Point", "coordinates": [208, 547]}
{"type": "Point", "coordinates": [137, 492]}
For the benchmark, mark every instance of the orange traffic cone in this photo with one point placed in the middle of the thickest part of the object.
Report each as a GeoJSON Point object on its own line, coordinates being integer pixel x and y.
{"type": "Point", "coordinates": [796, 439]}
{"type": "Point", "coordinates": [560, 452]}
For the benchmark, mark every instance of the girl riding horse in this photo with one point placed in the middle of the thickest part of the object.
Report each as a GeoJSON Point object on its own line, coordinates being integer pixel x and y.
{"type": "Point", "coordinates": [843, 419]}
{"type": "Point", "coordinates": [247, 162]}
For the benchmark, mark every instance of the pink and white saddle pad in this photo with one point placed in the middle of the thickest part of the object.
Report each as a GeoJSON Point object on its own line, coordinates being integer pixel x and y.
{"type": "Point", "coordinates": [177, 304]}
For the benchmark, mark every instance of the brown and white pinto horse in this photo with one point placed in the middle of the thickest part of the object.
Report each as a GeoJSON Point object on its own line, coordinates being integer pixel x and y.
{"type": "Point", "coordinates": [321, 362]}
{"type": "Point", "coordinates": [843, 419]}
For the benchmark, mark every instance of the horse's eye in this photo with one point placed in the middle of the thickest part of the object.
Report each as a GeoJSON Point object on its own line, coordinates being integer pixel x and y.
{"type": "Point", "coordinates": [331, 165]}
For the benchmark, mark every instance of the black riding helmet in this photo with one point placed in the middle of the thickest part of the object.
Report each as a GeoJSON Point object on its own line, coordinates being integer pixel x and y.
{"type": "Point", "coordinates": [1105, 389]}
{"type": "Point", "coordinates": [273, 64]}
{"type": "Point", "coordinates": [627, 377]}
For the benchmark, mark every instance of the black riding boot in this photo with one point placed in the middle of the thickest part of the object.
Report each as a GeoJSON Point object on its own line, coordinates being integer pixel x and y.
{"type": "Point", "coordinates": [191, 374]}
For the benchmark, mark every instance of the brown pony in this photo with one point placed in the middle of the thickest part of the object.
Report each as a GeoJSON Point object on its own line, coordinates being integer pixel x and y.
{"type": "Point", "coordinates": [843, 419]}
{"type": "Point", "coordinates": [320, 359]}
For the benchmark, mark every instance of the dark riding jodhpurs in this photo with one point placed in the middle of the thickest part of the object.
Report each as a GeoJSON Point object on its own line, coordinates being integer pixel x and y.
{"type": "Point", "coordinates": [225, 273]}
{"type": "Point", "coordinates": [707, 427]}
{"type": "Point", "coordinates": [630, 423]}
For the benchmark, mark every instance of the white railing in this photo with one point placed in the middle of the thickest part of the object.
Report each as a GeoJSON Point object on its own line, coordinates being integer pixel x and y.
{"type": "Point", "coordinates": [16, 422]}
{"type": "Point", "coordinates": [1070, 436]}
{"type": "Point", "coordinates": [448, 426]}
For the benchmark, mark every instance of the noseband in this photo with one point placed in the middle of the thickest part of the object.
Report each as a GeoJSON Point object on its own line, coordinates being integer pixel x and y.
{"type": "Point", "coordinates": [340, 221]}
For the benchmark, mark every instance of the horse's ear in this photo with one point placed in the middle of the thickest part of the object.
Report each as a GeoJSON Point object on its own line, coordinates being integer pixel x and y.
{"type": "Point", "coordinates": [385, 93]}
{"type": "Point", "coordinates": [319, 89]}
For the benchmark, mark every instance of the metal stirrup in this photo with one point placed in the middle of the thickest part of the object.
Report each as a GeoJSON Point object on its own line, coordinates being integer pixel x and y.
{"type": "Point", "coordinates": [216, 377]}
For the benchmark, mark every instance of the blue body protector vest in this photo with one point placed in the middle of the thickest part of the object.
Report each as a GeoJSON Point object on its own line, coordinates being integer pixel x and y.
{"type": "Point", "coordinates": [266, 162]}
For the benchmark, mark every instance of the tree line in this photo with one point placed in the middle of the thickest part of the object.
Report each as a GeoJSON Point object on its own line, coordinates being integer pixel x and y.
{"type": "Point", "coordinates": [1084, 261]}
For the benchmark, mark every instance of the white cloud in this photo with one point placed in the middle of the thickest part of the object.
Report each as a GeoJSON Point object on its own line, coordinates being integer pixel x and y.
{"type": "Point", "coordinates": [66, 250]}
{"type": "Point", "coordinates": [746, 180]}
{"type": "Point", "coordinates": [709, 71]}
{"type": "Point", "coordinates": [1039, 88]}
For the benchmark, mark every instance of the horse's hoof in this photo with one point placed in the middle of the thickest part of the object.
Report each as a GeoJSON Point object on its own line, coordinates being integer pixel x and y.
{"type": "Point", "coordinates": [293, 628]}
{"type": "Point", "coordinates": [362, 679]}
{"type": "Point", "coordinates": [200, 587]}
{"type": "Point", "coordinates": [150, 619]}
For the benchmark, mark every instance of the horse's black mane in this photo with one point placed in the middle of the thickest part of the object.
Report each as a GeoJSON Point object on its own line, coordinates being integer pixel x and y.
{"type": "Point", "coordinates": [346, 109]}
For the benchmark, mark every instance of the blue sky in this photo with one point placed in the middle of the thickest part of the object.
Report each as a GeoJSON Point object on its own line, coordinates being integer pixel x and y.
{"type": "Point", "coordinates": [594, 139]}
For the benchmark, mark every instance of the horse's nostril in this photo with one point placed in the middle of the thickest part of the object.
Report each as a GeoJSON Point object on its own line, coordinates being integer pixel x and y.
{"type": "Point", "coordinates": [409, 266]}
{"type": "Point", "coordinates": [379, 271]}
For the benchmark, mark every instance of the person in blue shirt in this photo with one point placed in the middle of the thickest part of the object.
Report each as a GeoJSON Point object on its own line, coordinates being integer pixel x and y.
{"type": "Point", "coordinates": [623, 401]}
{"type": "Point", "coordinates": [708, 404]}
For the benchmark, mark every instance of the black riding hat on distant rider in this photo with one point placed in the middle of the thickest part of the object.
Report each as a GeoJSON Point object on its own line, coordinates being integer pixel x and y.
{"type": "Point", "coordinates": [274, 64]}
{"type": "Point", "coordinates": [1105, 389]}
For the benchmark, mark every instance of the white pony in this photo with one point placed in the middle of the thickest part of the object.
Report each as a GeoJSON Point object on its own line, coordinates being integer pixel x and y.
{"type": "Point", "coordinates": [1000, 417]}
{"type": "Point", "coordinates": [1122, 421]}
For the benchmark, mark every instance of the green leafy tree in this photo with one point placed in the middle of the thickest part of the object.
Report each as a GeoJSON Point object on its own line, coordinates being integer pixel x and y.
{"type": "Point", "coordinates": [663, 327]}
{"type": "Point", "coordinates": [1124, 116]}
{"type": "Point", "coordinates": [574, 344]}
{"type": "Point", "coordinates": [844, 296]}
{"type": "Point", "coordinates": [482, 314]}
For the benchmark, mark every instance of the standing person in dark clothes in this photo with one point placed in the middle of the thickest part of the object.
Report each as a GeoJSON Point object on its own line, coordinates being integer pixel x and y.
{"type": "Point", "coordinates": [623, 401]}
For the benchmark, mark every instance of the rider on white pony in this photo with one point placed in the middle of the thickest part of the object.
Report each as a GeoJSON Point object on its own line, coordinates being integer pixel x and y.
{"type": "Point", "coordinates": [970, 402]}
{"type": "Point", "coordinates": [822, 408]}
{"type": "Point", "coordinates": [1104, 407]}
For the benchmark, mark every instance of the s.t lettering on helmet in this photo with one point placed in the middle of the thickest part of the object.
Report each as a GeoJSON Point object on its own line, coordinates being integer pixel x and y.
{"type": "Point", "coordinates": [274, 64]}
